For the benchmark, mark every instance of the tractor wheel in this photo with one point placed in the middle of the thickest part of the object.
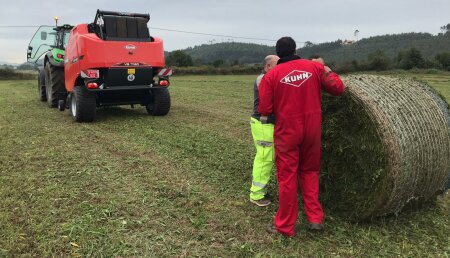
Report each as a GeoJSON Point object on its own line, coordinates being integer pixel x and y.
{"type": "Point", "coordinates": [82, 105]}
{"type": "Point", "coordinates": [42, 95]}
{"type": "Point", "coordinates": [160, 105]}
{"type": "Point", "coordinates": [54, 84]}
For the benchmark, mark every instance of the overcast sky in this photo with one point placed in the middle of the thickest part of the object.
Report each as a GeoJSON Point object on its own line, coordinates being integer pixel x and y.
{"type": "Point", "coordinates": [315, 21]}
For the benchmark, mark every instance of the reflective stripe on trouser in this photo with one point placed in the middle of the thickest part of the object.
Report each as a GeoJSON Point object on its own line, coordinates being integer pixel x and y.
{"type": "Point", "coordinates": [263, 162]}
{"type": "Point", "coordinates": [298, 153]}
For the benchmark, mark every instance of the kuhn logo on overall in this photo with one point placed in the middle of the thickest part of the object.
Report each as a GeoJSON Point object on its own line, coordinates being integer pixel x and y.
{"type": "Point", "coordinates": [296, 78]}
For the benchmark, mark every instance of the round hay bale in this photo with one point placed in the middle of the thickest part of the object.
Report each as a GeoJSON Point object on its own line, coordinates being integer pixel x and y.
{"type": "Point", "coordinates": [386, 143]}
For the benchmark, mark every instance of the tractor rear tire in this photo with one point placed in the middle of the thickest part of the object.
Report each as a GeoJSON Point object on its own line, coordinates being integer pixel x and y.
{"type": "Point", "coordinates": [82, 105]}
{"type": "Point", "coordinates": [160, 105]}
{"type": "Point", "coordinates": [42, 95]}
{"type": "Point", "coordinates": [54, 84]}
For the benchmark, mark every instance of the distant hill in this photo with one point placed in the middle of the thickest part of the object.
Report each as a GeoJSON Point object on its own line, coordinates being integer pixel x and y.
{"type": "Point", "coordinates": [23, 66]}
{"type": "Point", "coordinates": [230, 52]}
{"type": "Point", "coordinates": [428, 44]}
{"type": "Point", "coordinates": [391, 45]}
{"type": "Point", "coordinates": [8, 63]}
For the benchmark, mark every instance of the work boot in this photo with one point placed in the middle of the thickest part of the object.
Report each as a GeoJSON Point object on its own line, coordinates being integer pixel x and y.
{"type": "Point", "coordinates": [316, 227]}
{"type": "Point", "coordinates": [273, 230]}
{"type": "Point", "coordinates": [261, 203]}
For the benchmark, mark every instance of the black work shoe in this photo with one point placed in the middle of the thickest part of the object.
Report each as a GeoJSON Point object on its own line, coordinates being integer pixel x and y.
{"type": "Point", "coordinates": [261, 203]}
{"type": "Point", "coordinates": [316, 227]}
{"type": "Point", "coordinates": [272, 229]}
{"type": "Point", "coordinates": [268, 196]}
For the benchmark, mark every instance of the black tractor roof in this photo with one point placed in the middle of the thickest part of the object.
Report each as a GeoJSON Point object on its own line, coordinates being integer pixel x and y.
{"type": "Point", "coordinates": [64, 27]}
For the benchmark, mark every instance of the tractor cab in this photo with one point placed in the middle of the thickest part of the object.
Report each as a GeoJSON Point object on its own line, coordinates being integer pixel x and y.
{"type": "Point", "coordinates": [49, 39]}
{"type": "Point", "coordinates": [62, 36]}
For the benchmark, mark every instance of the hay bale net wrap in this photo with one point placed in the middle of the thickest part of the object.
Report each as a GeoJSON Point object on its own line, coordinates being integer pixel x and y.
{"type": "Point", "coordinates": [386, 143]}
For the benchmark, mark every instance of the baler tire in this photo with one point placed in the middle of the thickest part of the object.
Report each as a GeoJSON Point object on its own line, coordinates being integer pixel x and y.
{"type": "Point", "coordinates": [42, 95]}
{"type": "Point", "coordinates": [82, 105]}
{"type": "Point", "coordinates": [161, 102]}
{"type": "Point", "coordinates": [54, 84]}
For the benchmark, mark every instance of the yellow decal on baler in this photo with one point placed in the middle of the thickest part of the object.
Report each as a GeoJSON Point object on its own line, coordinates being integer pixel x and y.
{"type": "Point", "coordinates": [131, 71]}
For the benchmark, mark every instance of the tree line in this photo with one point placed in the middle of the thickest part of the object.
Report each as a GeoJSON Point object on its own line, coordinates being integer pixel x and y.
{"type": "Point", "coordinates": [398, 51]}
{"type": "Point", "coordinates": [407, 59]}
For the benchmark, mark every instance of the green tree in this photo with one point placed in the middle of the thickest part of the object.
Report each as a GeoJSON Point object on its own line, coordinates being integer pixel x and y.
{"type": "Point", "coordinates": [355, 65]}
{"type": "Point", "coordinates": [411, 58]}
{"type": "Point", "coordinates": [179, 58]}
{"type": "Point", "coordinates": [198, 62]}
{"type": "Point", "coordinates": [378, 61]}
{"type": "Point", "coordinates": [27, 66]}
{"type": "Point", "coordinates": [445, 28]}
{"type": "Point", "coordinates": [308, 44]}
{"type": "Point", "coordinates": [444, 60]}
{"type": "Point", "coordinates": [218, 63]}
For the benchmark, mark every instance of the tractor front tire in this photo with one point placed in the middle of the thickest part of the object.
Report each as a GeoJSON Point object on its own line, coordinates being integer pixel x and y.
{"type": "Point", "coordinates": [42, 95]}
{"type": "Point", "coordinates": [82, 105]}
{"type": "Point", "coordinates": [54, 84]}
{"type": "Point", "coordinates": [160, 105]}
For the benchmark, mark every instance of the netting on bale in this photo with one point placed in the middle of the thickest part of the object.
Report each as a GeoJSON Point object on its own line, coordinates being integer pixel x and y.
{"type": "Point", "coordinates": [386, 143]}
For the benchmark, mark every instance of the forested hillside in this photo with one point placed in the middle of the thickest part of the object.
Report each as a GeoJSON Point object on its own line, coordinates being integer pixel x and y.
{"type": "Point", "coordinates": [334, 52]}
{"type": "Point", "coordinates": [229, 52]}
{"type": "Point", "coordinates": [391, 45]}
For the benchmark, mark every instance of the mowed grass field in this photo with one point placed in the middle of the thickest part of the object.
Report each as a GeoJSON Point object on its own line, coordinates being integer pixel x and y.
{"type": "Point", "coordinates": [133, 185]}
{"type": "Point", "coordinates": [440, 82]}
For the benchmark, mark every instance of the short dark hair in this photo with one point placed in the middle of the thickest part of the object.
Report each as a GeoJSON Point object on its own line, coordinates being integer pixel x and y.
{"type": "Point", "coordinates": [285, 47]}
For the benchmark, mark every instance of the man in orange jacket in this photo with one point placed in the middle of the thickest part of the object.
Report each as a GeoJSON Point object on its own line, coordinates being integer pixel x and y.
{"type": "Point", "coordinates": [292, 92]}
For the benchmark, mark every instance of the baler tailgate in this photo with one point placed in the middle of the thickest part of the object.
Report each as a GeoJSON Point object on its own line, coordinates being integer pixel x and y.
{"type": "Point", "coordinates": [128, 76]}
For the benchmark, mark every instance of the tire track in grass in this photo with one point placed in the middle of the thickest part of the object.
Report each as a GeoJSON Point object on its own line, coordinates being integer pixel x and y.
{"type": "Point", "coordinates": [90, 145]}
{"type": "Point", "coordinates": [87, 144]}
{"type": "Point", "coordinates": [179, 146]}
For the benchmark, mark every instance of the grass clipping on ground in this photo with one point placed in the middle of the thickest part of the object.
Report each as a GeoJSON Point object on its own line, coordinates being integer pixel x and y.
{"type": "Point", "coordinates": [386, 145]}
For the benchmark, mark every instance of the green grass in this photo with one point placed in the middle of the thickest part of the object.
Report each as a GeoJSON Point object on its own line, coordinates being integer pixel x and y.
{"type": "Point", "coordinates": [135, 185]}
{"type": "Point", "coordinates": [440, 82]}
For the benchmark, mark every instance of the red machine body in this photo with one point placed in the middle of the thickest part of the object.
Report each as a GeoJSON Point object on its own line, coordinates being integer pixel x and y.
{"type": "Point", "coordinates": [85, 50]}
{"type": "Point", "coordinates": [113, 61]}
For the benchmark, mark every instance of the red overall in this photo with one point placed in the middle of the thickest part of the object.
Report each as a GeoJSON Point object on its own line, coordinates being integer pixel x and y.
{"type": "Point", "coordinates": [292, 91]}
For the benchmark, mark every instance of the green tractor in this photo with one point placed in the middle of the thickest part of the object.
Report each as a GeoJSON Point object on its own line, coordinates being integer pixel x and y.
{"type": "Point", "coordinates": [47, 47]}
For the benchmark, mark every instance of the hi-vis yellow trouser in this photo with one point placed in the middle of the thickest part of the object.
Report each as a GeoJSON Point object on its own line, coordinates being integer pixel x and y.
{"type": "Point", "coordinates": [263, 163]}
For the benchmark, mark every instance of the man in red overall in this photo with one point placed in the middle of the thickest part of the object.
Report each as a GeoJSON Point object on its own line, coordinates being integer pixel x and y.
{"type": "Point", "coordinates": [292, 92]}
